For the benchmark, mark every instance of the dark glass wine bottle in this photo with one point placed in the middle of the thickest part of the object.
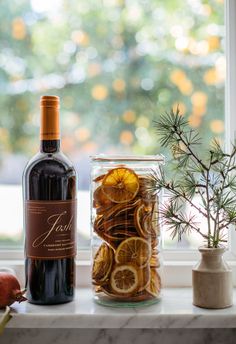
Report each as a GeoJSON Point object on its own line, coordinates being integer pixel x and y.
{"type": "Point", "coordinates": [49, 190]}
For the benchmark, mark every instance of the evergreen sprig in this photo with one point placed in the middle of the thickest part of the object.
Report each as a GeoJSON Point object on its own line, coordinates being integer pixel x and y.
{"type": "Point", "coordinates": [6, 317]}
{"type": "Point", "coordinates": [212, 178]}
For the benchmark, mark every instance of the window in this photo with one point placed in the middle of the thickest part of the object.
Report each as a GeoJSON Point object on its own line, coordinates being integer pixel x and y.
{"type": "Point", "coordinates": [116, 65]}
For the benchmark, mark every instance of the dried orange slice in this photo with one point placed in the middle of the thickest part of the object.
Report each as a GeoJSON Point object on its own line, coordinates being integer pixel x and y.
{"type": "Point", "coordinates": [124, 279]}
{"type": "Point", "coordinates": [144, 278]}
{"type": "Point", "coordinates": [114, 229]}
{"type": "Point", "coordinates": [101, 210]}
{"type": "Point", "coordinates": [154, 260]}
{"type": "Point", "coordinates": [131, 297]}
{"type": "Point", "coordinates": [138, 220]}
{"type": "Point", "coordinates": [154, 242]}
{"type": "Point", "coordinates": [146, 189]}
{"type": "Point", "coordinates": [133, 250]}
{"type": "Point", "coordinates": [154, 286]}
{"type": "Point", "coordinates": [120, 185]}
{"type": "Point", "coordinates": [99, 178]}
{"type": "Point", "coordinates": [155, 219]}
{"type": "Point", "coordinates": [150, 227]}
{"type": "Point", "coordinates": [97, 289]}
{"type": "Point", "coordinates": [102, 264]}
{"type": "Point", "coordinates": [114, 237]}
{"type": "Point", "coordinates": [121, 209]}
{"type": "Point", "coordinates": [116, 222]}
{"type": "Point", "coordinates": [98, 222]}
{"type": "Point", "coordinates": [145, 185]}
{"type": "Point", "coordinates": [112, 241]}
{"type": "Point", "coordinates": [100, 199]}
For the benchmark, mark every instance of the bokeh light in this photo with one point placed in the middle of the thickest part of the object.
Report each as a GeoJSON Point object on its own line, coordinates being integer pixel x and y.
{"type": "Point", "coordinates": [199, 98]}
{"type": "Point", "coordinates": [80, 38]}
{"type": "Point", "coordinates": [18, 29]}
{"type": "Point", "coordinates": [82, 134]}
{"type": "Point", "coordinates": [99, 92]}
{"type": "Point", "coordinates": [126, 137]}
{"type": "Point", "coordinates": [119, 85]}
{"type": "Point", "coordinates": [217, 126]}
{"type": "Point", "coordinates": [194, 121]}
{"type": "Point", "coordinates": [129, 116]}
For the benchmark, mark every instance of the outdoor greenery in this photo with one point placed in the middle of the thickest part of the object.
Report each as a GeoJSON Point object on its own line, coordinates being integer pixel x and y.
{"type": "Point", "coordinates": [212, 180]}
{"type": "Point", "coordinates": [115, 64]}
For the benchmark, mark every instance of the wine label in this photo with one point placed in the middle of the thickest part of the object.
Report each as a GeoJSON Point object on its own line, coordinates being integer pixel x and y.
{"type": "Point", "coordinates": [50, 229]}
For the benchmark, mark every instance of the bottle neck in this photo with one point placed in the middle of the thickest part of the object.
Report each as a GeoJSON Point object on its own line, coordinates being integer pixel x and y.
{"type": "Point", "coordinates": [50, 126]}
{"type": "Point", "coordinates": [49, 146]}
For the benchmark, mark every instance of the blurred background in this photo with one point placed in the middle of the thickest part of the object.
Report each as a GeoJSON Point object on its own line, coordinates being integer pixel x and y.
{"type": "Point", "coordinates": [117, 65]}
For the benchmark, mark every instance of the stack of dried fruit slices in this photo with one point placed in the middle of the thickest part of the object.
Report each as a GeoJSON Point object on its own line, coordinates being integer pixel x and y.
{"type": "Point", "coordinates": [126, 219]}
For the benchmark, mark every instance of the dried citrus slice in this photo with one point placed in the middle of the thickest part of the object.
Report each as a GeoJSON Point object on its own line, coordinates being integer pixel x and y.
{"type": "Point", "coordinates": [98, 221]}
{"type": "Point", "coordinates": [138, 220]}
{"type": "Point", "coordinates": [131, 297]}
{"type": "Point", "coordinates": [133, 250]}
{"type": "Point", "coordinates": [144, 278]}
{"type": "Point", "coordinates": [145, 185]}
{"type": "Point", "coordinates": [100, 199]}
{"type": "Point", "coordinates": [154, 242]}
{"type": "Point", "coordinates": [101, 210]}
{"type": "Point", "coordinates": [155, 221]}
{"type": "Point", "coordinates": [128, 208]}
{"type": "Point", "coordinates": [124, 279]}
{"type": "Point", "coordinates": [116, 222]}
{"type": "Point", "coordinates": [154, 286]}
{"type": "Point", "coordinates": [154, 260]}
{"type": "Point", "coordinates": [102, 264]}
{"type": "Point", "coordinates": [120, 185]}
{"type": "Point", "coordinates": [115, 239]}
{"type": "Point", "coordinates": [114, 229]}
{"type": "Point", "coordinates": [150, 228]}
{"type": "Point", "coordinates": [98, 289]}
{"type": "Point", "coordinates": [123, 208]}
{"type": "Point", "coordinates": [99, 178]}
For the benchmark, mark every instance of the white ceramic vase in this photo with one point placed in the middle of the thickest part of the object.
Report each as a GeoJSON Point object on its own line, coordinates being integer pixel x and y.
{"type": "Point", "coordinates": [212, 280]}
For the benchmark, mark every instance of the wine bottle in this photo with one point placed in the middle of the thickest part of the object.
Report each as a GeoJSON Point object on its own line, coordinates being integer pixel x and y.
{"type": "Point", "coordinates": [49, 192]}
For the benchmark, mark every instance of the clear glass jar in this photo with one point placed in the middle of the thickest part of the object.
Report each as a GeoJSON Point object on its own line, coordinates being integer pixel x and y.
{"type": "Point", "coordinates": [125, 230]}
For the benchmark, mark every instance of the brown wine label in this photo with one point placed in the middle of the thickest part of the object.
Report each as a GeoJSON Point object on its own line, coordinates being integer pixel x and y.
{"type": "Point", "coordinates": [50, 229]}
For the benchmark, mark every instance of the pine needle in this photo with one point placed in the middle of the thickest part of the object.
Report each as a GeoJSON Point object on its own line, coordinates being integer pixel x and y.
{"type": "Point", "coordinates": [6, 317]}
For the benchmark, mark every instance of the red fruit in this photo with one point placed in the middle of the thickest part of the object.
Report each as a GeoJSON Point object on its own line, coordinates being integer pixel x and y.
{"type": "Point", "coordinates": [10, 290]}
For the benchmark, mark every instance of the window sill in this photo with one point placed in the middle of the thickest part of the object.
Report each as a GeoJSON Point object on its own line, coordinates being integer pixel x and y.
{"type": "Point", "coordinates": [175, 310]}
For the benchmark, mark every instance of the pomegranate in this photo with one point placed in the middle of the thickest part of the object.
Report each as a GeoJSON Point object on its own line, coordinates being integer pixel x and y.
{"type": "Point", "coordinates": [10, 290]}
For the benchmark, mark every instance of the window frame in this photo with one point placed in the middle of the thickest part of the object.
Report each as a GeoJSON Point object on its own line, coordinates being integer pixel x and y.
{"type": "Point", "coordinates": [177, 263]}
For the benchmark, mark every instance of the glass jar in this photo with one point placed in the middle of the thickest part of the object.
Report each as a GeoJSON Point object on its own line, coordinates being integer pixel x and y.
{"type": "Point", "coordinates": [126, 231]}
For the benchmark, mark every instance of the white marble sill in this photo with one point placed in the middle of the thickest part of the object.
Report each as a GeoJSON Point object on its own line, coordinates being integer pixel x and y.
{"type": "Point", "coordinates": [175, 310]}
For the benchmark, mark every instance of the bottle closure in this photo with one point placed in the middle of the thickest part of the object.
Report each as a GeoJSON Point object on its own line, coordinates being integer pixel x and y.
{"type": "Point", "coordinates": [50, 126]}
